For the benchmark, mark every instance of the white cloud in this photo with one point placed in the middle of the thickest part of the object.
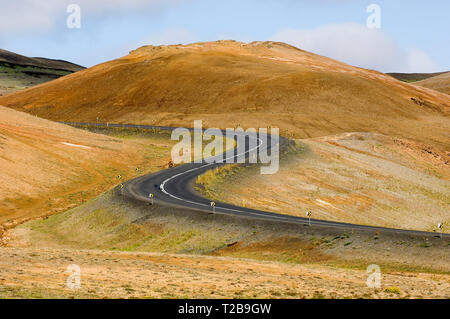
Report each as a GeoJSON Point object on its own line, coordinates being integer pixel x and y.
{"type": "Point", "coordinates": [419, 61]}
{"type": "Point", "coordinates": [25, 15]}
{"type": "Point", "coordinates": [36, 15]}
{"type": "Point", "coordinates": [358, 45]}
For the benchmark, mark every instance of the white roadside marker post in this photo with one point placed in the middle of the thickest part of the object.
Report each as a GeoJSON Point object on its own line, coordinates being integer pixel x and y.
{"type": "Point", "coordinates": [213, 204]}
{"type": "Point", "coordinates": [151, 197]}
{"type": "Point", "coordinates": [308, 214]}
{"type": "Point", "coordinates": [440, 226]}
{"type": "Point", "coordinates": [121, 184]}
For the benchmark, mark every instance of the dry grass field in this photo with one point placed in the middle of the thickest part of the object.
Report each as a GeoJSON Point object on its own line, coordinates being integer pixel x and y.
{"type": "Point", "coordinates": [129, 250]}
{"type": "Point", "coordinates": [41, 273]}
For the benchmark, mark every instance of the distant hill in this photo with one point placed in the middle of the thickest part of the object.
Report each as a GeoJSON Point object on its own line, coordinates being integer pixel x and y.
{"type": "Point", "coordinates": [19, 72]}
{"type": "Point", "coordinates": [439, 83]}
{"type": "Point", "coordinates": [414, 77]}
{"type": "Point", "coordinates": [229, 84]}
{"type": "Point", "coordinates": [17, 59]}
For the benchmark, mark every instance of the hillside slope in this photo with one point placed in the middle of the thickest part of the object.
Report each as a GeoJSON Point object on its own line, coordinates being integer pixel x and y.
{"type": "Point", "coordinates": [439, 83]}
{"type": "Point", "coordinates": [49, 167]}
{"type": "Point", "coordinates": [228, 83]}
{"type": "Point", "coordinates": [14, 58]}
{"type": "Point", "coordinates": [18, 72]}
{"type": "Point", "coordinates": [359, 178]}
{"type": "Point", "coordinates": [414, 77]}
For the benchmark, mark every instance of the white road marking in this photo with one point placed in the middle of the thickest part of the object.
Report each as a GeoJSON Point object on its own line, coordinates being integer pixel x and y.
{"type": "Point", "coordinates": [223, 208]}
{"type": "Point", "coordinates": [197, 168]}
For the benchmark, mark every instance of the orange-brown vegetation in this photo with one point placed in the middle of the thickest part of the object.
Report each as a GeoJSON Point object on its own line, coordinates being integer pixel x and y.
{"type": "Point", "coordinates": [228, 83]}
{"type": "Point", "coordinates": [49, 167]}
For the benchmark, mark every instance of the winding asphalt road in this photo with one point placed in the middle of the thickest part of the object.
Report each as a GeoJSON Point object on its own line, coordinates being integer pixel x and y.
{"type": "Point", "coordinates": [173, 187]}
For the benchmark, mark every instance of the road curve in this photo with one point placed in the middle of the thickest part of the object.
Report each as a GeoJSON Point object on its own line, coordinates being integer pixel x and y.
{"type": "Point", "coordinates": [173, 187]}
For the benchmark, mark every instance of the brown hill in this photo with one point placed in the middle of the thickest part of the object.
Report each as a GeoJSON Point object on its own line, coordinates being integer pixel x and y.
{"type": "Point", "coordinates": [439, 83]}
{"type": "Point", "coordinates": [48, 167]}
{"type": "Point", "coordinates": [228, 83]}
{"type": "Point", "coordinates": [414, 77]}
{"type": "Point", "coordinates": [18, 72]}
{"type": "Point", "coordinates": [14, 58]}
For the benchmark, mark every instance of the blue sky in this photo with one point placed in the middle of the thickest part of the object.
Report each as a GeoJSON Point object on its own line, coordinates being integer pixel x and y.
{"type": "Point", "coordinates": [414, 35]}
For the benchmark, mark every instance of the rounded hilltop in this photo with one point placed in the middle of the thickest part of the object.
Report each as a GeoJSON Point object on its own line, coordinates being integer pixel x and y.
{"type": "Point", "coordinates": [228, 83]}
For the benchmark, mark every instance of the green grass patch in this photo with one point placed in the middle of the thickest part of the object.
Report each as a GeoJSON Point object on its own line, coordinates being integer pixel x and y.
{"type": "Point", "coordinates": [392, 290]}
